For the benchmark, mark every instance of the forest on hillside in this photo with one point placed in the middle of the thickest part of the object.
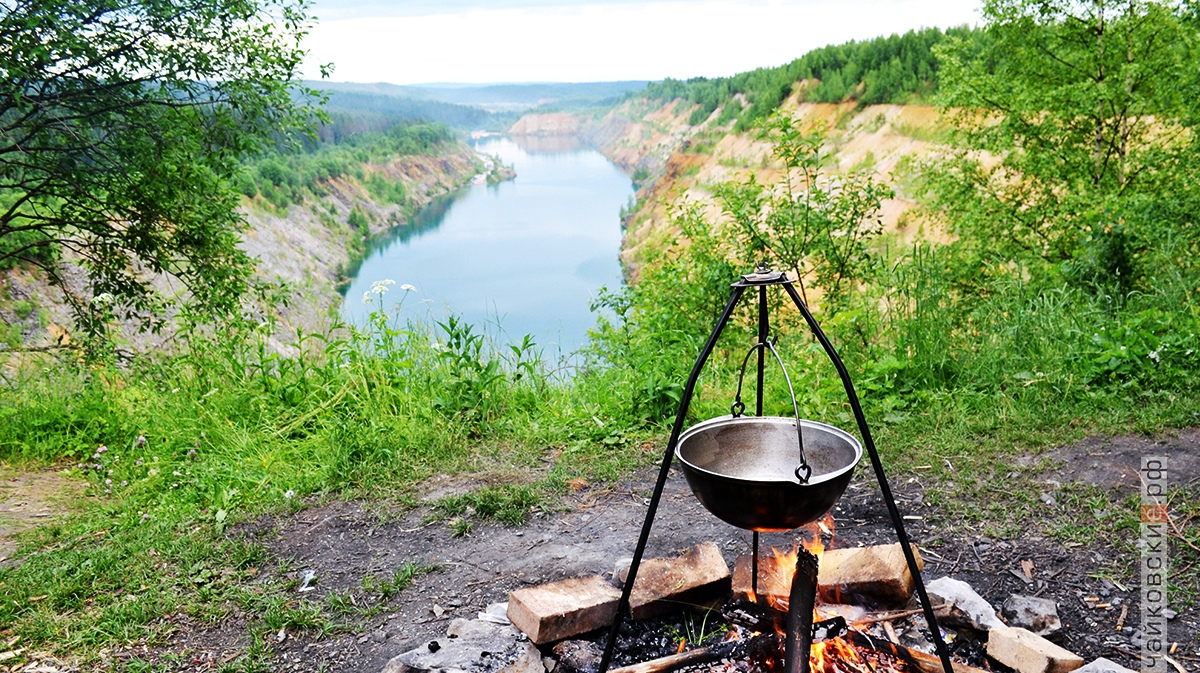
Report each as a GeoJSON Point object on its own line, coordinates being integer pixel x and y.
{"type": "Point", "coordinates": [892, 69]}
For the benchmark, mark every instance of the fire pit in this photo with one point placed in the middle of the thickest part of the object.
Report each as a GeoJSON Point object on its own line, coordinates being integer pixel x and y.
{"type": "Point", "coordinates": [755, 473]}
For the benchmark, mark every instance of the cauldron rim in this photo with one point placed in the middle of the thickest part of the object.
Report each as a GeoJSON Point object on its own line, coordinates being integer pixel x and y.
{"type": "Point", "coordinates": [729, 420]}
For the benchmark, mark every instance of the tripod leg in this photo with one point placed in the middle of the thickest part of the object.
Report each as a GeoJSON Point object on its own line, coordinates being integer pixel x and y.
{"type": "Point", "coordinates": [664, 470]}
{"type": "Point", "coordinates": [869, 444]}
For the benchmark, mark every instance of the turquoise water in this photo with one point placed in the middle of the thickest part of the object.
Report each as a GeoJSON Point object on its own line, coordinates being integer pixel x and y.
{"type": "Point", "coordinates": [525, 256]}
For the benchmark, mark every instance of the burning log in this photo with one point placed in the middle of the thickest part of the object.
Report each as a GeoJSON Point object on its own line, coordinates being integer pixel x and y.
{"type": "Point", "coordinates": [802, 599]}
{"type": "Point", "coordinates": [760, 647]}
{"type": "Point", "coordinates": [760, 618]}
{"type": "Point", "coordinates": [916, 659]}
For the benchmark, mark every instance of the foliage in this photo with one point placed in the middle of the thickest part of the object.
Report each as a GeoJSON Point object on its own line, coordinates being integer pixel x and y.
{"type": "Point", "coordinates": [892, 69]}
{"type": "Point", "coordinates": [288, 176]}
{"type": "Point", "coordinates": [123, 125]}
{"type": "Point", "coordinates": [177, 448]}
{"type": "Point", "coordinates": [1089, 109]}
{"type": "Point", "coordinates": [819, 227]}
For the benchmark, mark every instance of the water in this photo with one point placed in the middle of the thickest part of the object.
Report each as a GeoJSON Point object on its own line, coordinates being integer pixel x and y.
{"type": "Point", "coordinates": [525, 256]}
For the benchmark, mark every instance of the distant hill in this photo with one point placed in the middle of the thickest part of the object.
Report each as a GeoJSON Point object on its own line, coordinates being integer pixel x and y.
{"type": "Point", "coordinates": [887, 69]}
{"type": "Point", "coordinates": [491, 97]}
{"type": "Point", "coordinates": [389, 108]}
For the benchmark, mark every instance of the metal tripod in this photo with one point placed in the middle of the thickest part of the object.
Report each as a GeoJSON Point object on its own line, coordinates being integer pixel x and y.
{"type": "Point", "coordinates": [762, 278]}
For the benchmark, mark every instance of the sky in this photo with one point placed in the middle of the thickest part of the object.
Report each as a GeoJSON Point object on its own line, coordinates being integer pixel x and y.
{"type": "Point", "coordinates": [493, 41]}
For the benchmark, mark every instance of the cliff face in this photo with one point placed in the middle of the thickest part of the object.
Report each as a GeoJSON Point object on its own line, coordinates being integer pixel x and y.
{"type": "Point", "coordinates": [307, 248]}
{"type": "Point", "coordinates": [634, 134]}
{"type": "Point", "coordinates": [548, 124]}
{"type": "Point", "coordinates": [683, 162]}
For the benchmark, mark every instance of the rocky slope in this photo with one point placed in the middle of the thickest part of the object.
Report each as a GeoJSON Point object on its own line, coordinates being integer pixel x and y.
{"type": "Point", "coordinates": [682, 162]}
{"type": "Point", "coordinates": [306, 247]}
{"type": "Point", "coordinates": [309, 247]}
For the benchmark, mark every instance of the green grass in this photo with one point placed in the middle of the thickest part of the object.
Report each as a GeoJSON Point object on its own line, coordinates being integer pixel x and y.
{"type": "Point", "coordinates": [400, 580]}
{"type": "Point", "coordinates": [178, 448]}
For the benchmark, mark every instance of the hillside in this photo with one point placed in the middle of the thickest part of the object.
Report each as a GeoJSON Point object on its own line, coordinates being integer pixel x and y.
{"type": "Point", "coordinates": [682, 162]}
{"type": "Point", "coordinates": [304, 242]}
{"type": "Point", "coordinates": [492, 97]}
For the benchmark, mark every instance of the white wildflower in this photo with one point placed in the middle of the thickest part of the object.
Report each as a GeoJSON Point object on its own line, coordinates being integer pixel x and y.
{"type": "Point", "coordinates": [1154, 355]}
{"type": "Point", "coordinates": [367, 297]}
{"type": "Point", "coordinates": [408, 288]}
{"type": "Point", "coordinates": [289, 494]}
{"type": "Point", "coordinates": [380, 287]}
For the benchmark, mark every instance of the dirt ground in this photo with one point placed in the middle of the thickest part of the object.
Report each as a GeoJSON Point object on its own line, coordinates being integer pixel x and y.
{"type": "Point", "coordinates": [596, 530]}
{"type": "Point", "coordinates": [30, 498]}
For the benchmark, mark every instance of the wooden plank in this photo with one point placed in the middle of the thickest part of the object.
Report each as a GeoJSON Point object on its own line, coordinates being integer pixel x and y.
{"type": "Point", "coordinates": [859, 575]}
{"type": "Point", "coordinates": [1027, 652]}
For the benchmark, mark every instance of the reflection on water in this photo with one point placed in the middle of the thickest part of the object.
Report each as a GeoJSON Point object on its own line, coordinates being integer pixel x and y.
{"type": "Point", "coordinates": [424, 220]}
{"type": "Point", "coordinates": [527, 255]}
{"type": "Point", "coordinates": [547, 144]}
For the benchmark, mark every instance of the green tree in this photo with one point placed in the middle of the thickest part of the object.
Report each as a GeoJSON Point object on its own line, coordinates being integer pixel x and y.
{"type": "Point", "coordinates": [1086, 114]}
{"type": "Point", "coordinates": [816, 225]}
{"type": "Point", "coordinates": [122, 128]}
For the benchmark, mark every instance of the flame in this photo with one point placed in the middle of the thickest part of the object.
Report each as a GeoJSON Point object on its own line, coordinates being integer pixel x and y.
{"type": "Point", "coordinates": [822, 526]}
{"type": "Point", "coordinates": [779, 566]}
{"type": "Point", "coordinates": [836, 655]}
{"type": "Point", "coordinates": [831, 656]}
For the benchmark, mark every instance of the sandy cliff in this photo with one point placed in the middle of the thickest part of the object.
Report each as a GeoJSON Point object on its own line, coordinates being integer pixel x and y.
{"type": "Point", "coordinates": [683, 162]}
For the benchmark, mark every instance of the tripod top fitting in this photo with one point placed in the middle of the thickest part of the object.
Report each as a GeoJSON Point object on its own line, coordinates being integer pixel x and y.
{"type": "Point", "coordinates": [763, 275]}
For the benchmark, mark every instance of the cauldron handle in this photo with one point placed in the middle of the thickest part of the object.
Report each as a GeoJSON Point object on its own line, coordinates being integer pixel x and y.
{"type": "Point", "coordinates": [804, 470]}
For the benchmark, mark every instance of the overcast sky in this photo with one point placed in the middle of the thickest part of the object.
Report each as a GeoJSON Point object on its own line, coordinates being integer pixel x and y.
{"type": "Point", "coordinates": [485, 41]}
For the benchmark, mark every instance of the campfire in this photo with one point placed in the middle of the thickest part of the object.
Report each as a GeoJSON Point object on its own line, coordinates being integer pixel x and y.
{"type": "Point", "coordinates": [766, 474]}
{"type": "Point", "coordinates": [767, 635]}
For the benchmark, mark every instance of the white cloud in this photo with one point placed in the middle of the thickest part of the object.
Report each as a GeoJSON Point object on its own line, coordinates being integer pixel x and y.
{"type": "Point", "coordinates": [606, 41]}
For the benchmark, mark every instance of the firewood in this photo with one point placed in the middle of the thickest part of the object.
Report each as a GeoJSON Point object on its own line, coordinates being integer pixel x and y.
{"type": "Point", "coordinates": [802, 598]}
{"type": "Point", "coordinates": [664, 585]}
{"type": "Point", "coordinates": [938, 611]}
{"type": "Point", "coordinates": [759, 646]}
{"type": "Point", "coordinates": [878, 574]}
{"type": "Point", "coordinates": [927, 663]}
{"type": "Point", "coordinates": [563, 609]}
{"type": "Point", "coordinates": [762, 618]}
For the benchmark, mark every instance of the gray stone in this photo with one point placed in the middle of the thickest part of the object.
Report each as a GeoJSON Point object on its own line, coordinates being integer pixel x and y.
{"type": "Point", "coordinates": [967, 608]}
{"type": "Point", "coordinates": [472, 647]}
{"type": "Point", "coordinates": [1039, 615]}
{"type": "Point", "coordinates": [529, 661]}
{"type": "Point", "coordinates": [1103, 665]}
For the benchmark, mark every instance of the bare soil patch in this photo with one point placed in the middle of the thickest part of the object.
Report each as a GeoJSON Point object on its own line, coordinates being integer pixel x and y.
{"type": "Point", "coordinates": [28, 499]}
{"type": "Point", "coordinates": [596, 529]}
